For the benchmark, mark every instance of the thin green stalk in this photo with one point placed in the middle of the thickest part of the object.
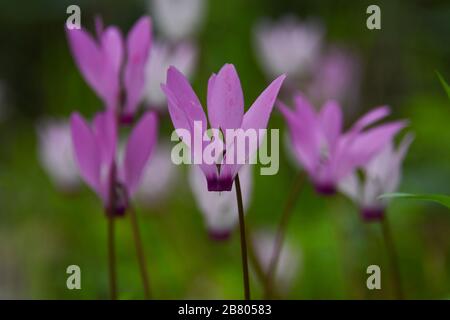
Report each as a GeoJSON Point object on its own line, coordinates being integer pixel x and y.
{"type": "Point", "coordinates": [243, 239]}
{"type": "Point", "coordinates": [111, 258]}
{"type": "Point", "coordinates": [140, 252]}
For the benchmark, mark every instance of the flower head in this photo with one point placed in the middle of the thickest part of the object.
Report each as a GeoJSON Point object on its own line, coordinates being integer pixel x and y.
{"type": "Point", "coordinates": [225, 102]}
{"type": "Point", "coordinates": [289, 46]}
{"type": "Point", "coordinates": [178, 19]}
{"type": "Point", "coordinates": [381, 175]}
{"type": "Point", "coordinates": [336, 77]}
{"type": "Point", "coordinates": [219, 209]}
{"type": "Point", "coordinates": [95, 148]}
{"type": "Point", "coordinates": [56, 153]}
{"type": "Point", "coordinates": [114, 68]}
{"type": "Point", "coordinates": [326, 152]}
{"type": "Point", "coordinates": [182, 55]}
{"type": "Point", "coordinates": [289, 262]}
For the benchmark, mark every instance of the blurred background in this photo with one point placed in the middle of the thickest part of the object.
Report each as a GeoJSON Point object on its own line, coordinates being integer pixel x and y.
{"type": "Point", "coordinates": [49, 219]}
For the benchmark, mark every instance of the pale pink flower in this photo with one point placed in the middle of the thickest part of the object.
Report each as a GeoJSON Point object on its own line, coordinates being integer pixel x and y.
{"type": "Point", "coordinates": [219, 209]}
{"type": "Point", "coordinates": [56, 154]}
{"type": "Point", "coordinates": [325, 151]}
{"type": "Point", "coordinates": [289, 262]}
{"type": "Point", "coordinates": [288, 46]}
{"type": "Point", "coordinates": [381, 175]}
{"type": "Point", "coordinates": [178, 19]}
{"type": "Point", "coordinates": [183, 56]}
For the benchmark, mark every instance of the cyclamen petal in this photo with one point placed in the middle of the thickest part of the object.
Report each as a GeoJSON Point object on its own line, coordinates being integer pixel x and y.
{"type": "Point", "coordinates": [138, 47]}
{"type": "Point", "coordinates": [138, 150]}
{"type": "Point", "coordinates": [86, 151]}
{"type": "Point", "coordinates": [225, 99]}
{"type": "Point", "coordinates": [90, 60]}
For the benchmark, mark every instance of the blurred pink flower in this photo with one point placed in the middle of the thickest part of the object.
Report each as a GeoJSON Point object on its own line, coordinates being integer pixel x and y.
{"type": "Point", "coordinates": [178, 19]}
{"type": "Point", "coordinates": [95, 153]}
{"type": "Point", "coordinates": [183, 56]}
{"type": "Point", "coordinates": [118, 82]}
{"type": "Point", "coordinates": [56, 153]}
{"type": "Point", "coordinates": [288, 47]}
{"type": "Point", "coordinates": [225, 111]}
{"type": "Point", "coordinates": [219, 209]}
{"type": "Point", "coordinates": [289, 263]}
{"type": "Point", "coordinates": [158, 177]}
{"type": "Point", "coordinates": [336, 77]}
{"type": "Point", "coordinates": [381, 175]}
{"type": "Point", "coordinates": [326, 152]}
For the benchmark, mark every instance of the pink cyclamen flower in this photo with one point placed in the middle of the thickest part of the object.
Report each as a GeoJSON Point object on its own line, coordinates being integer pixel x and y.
{"type": "Point", "coordinates": [289, 263]}
{"type": "Point", "coordinates": [115, 70]}
{"type": "Point", "coordinates": [288, 46]}
{"type": "Point", "coordinates": [326, 152]}
{"type": "Point", "coordinates": [178, 19]}
{"type": "Point", "coordinates": [56, 153]}
{"type": "Point", "coordinates": [225, 102]}
{"type": "Point", "coordinates": [381, 175]}
{"type": "Point", "coordinates": [95, 148]}
{"type": "Point", "coordinates": [336, 77]}
{"type": "Point", "coordinates": [219, 209]}
{"type": "Point", "coordinates": [182, 55]}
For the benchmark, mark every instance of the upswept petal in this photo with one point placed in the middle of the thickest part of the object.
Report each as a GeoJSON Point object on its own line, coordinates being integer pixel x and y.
{"type": "Point", "coordinates": [105, 131]}
{"type": "Point", "coordinates": [364, 147]}
{"type": "Point", "coordinates": [305, 147]}
{"type": "Point", "coordinates": [138, 47]}
{"type": "Point", "coordinates": [112, 52]}
{"type": "Point", "coordinates": [88, 57]}
{"type": "Point", "coordinates": [138, 150]}
{"type": "Point", "coordinates": [258, 115]}
{"type": "Point", "coordinates": [225, 99]}
{"type": "Point", "coordinates": [256, 118]}
{"type": "Point", "coordinates": [331, 121]}
{"type": "Point", "coordinates": [370, 118]}
{"type": "Point", "coordinates": [86, 151]}
{"type": "Point", "coordinates": [184, 97]}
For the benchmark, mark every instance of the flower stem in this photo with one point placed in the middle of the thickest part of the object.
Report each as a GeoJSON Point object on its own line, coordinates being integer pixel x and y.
{"type": "Point", "coordinates": [111, 258]}
{"type": "Point", "coordinates": [393, 259]}
{"type": "Point", "coordinates": [243, 240]}
{"type": "Point", "coordinates": [281, 231]}
{"type": "Point", "coordinates": [140, 252]}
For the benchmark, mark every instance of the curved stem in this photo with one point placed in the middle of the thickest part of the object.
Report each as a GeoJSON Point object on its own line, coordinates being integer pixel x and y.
{"type": "Point", "coordinates": [111, 258]}
{"type": "Point", "coordinates": [243, 239]}
{"type": "Point", "coordinates": [393, 259]}
{"type": "Point", "coordinates": [140, 252]}
{"type": "Point", "coordinates": [281, 231]}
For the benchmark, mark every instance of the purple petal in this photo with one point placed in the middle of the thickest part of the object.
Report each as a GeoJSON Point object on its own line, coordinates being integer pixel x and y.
{"type": "Point", "coordinates": [138, 47]}
{"type": "Point", "coordinates": [184, 98]}
{"type": "Point", "coordinates": [88, 57]}
{"type": "Point", "coordinates": [139, 147]}
{"type": "Point", "coordinates": [225, 99]}
{"type": "Point", "coordinates": [331, 120]}
{"type": "Point", "coordinates": [86, 151]}
{"type": "Point", "coordinates": [258, 115]}
{"type": "Point", "coordinates": [370, 118]}
{"type": "Point", "coordinates": [365, 146]}
{"type": "Point", "coordinates": [303, 134]}
{"type": "Point", "coordinates": [105, 130]}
